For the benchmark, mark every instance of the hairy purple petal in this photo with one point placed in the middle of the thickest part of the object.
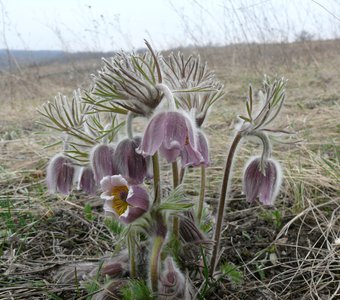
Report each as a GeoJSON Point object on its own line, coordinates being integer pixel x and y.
{"type": "Point", "coordinates": [175, 131]}
{"type": "Point", "coordinates": [131, 214]}
{"type": "Point", "coordinates": [264, 185]}
{"type": "Point", "coordinates": [87, 182]}
{"type": "Point", "coordinates": [169, 154]}
{"type": "Point", "coordinates": [191, 156]}
{"type": "Point", "coordinates": [102, 161]}
{"type": "Point", "coordinates": [202, 147]}
{"type": "Point", "coordinates": [138, 197]}
{"type": "Point", "coordinates": [128, 162]}
{"type": "Point", "coordinates": [60, 173]}
{"type": "Point", "coordinates": [154, 135]}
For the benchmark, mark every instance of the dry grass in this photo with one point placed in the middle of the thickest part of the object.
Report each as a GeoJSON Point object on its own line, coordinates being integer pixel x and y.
{"type": "Point", "coordinates": [288, 253]}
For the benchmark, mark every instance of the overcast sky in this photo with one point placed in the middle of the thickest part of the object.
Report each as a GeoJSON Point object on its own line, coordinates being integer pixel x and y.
{"type": "Point", "coordinates": [106, 25]}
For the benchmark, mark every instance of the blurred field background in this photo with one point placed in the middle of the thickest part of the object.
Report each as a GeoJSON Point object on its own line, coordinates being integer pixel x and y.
{"type": "Point", "coordinates": [290, 252]}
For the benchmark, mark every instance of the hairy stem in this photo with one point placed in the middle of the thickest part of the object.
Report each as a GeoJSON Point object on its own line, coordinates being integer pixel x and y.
{"type": "Point", "coordinates": [129, 119]}
{"type": "Point", "coordinates": [221, 206]}
{"type": "Point", "coordinates": [175, 224]}
{"type": "Point", "coordinates": [181, 175]}
{"type": "Point", "coordinates": [202, 192]}
{"type": "Point", "coordinates": [132, 254]}
{"type": "Point", "coordinates": [154, 262]}
{"type": "Point", "coordinates": [156, 179]}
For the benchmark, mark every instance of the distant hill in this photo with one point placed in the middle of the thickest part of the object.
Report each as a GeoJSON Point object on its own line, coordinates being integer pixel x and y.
{"type": "Point", "coordinates": [24, 58]}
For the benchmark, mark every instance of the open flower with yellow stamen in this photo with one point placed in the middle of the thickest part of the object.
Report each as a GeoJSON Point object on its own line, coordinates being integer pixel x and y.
{"type": "Point", "coordinates": [128, 203]}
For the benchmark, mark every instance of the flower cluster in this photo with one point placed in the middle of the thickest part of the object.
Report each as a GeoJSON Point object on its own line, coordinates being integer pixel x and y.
{"type": "Point", "coordinates": [174, 95]}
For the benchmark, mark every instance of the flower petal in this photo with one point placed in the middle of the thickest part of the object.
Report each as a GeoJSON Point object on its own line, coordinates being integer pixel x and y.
{"type": "Point", "coordinates": [138, 197]}
{"type": "Point", "coordinates": [202, 147]}
{"type": "Point", "coordinates": [153, 135]}
{"type": "Point", "coordinates": [169, 154]}
{"type": "Point", "coordinates": [131, 214]}
{"type": "Point", "coordinates": [175, 131]}
{"type": "Point", "coordinates": [129, 163]}
{"type": "Point", "coordinates": [191, 157]}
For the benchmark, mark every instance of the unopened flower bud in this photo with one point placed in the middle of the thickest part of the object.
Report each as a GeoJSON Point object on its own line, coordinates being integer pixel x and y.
{"type": "Point", "coordinates": [102, 161]}
{"type": "Point", "coordinates": [60, 172]}
{"type": "Point", "coordinates": [172, 281]}
{"type": "Point", "coordinates": [130, 164]}
{"type": "Point", "coordinates": [262, 180]}
{"type": "Point", "coordinates": [86, 181]}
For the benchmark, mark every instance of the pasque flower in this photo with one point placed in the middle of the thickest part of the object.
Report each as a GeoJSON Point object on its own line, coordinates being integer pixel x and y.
{"type": "Point", "coordinates": [87, 182]}
{"type": "Point", "coordinates": [60, 173]}
{"type": "Point", "coordinates": [127, 202]}
{"type": "Point", "coordinates": [171, 133]}
{"type": "Point", "coordinates": [102, 163]}
{"type": "Point", "coordinates": [130, 164]}
{"type": "Point", "coordinates": [262, 179]}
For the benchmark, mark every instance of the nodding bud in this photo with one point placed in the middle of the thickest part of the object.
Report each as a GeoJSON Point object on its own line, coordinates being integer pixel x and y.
{"type": "Point", "coordinates": [262, 179]}
{"type": "Point", "coordinates": [86, 181]}
{"type": "Point", "coordinates": [60, 172]}
{"type": "Point", "coordinates": [114, 270]}
{"type": "Point", "coordinates": [131, 165]}
{"type": "Point", "coordinates": [189, 231]}
{"type": "Point", "coordinates": [102, 161]}
{"type": "Point", "coordinates": [172, 281]}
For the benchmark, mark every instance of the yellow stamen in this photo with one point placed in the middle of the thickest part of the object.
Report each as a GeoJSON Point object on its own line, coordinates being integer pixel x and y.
{"type": "Point", "coordinates": [119, 203]}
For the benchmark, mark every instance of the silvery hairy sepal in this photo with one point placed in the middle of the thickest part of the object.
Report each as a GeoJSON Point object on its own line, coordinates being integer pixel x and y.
{"type": "Point", "coordinates": [102, 162]}
{"type": "Point", "coordinates": [87, 182]}
{"type": "Point", "coordinates": [131, 165]}
{"type": "Point", "coordinates": [60, 173]}
{"type": "Point", "coordinates": [262, 180]}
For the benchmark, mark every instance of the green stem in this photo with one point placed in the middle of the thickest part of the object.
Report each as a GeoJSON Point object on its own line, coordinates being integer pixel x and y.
{"type": "Point", "coordinates": [132, 255]}
{"type": "Point", "coordinates": [175, 224]}
{"type": "Point", "coordinates": [154, 262]}
{"type": "Point", "coordinates": [156, 179]}
{"type": "Point", "coordinates": [221, 206]}
{"type": "Point", "coordinates": [202, 192]}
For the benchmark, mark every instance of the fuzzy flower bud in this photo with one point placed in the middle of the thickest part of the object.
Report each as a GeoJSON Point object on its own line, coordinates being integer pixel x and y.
{"type": "Point", "coordinates": [102, 161]}
{"type": "Point", "coordinates": [130, 164]}
{"type": "Point", "coordinates": [86, 181]}
{"type": "Point", "coordinates": [262, 180]}
{"type": "Point", "coordinates": [172, 281]}
{"type": "Point", "coordinates": [60, 172]}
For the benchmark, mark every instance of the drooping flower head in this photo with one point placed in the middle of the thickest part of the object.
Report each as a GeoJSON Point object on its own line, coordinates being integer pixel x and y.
{"type": "Point", "coordinates": [130, 164]}
{"type": "Point", "coordinates": [127, 202]}
{"type": "Point", "coordinates": [202, 147]}
{"type": "Point", "coordinates": [102, 161]}
{"type": "Point", "coordinates": [60, 173]}
{"type": "Point", "coordinates": [262, 180]}
{"type": "Point", "coordinates": [171, 133]}
{"type": "Point", "coordinates": [87, 182]}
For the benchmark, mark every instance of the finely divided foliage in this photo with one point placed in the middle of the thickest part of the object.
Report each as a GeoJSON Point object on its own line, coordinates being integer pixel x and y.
{"type": "Point", "coordinates": [174, 94]}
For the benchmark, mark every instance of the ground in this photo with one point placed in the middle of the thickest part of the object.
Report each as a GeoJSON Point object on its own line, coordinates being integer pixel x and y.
{"type": "Point", "coordinates": [291, 251]}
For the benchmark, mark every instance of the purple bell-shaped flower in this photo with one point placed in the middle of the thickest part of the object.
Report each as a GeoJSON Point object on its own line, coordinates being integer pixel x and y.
{"type": "Point", "coordinates": [131, 165]}
{"type": "Point", "coordinates": [102, 161]}
{"type": "Point", "coordinates": [262, 181]}
{"type": "Point", "coordinates": [60, 173]}
{"type": "Point", "coordinates": [87, 182]}
{"type": "Point", "coordinates": [171, 133]}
